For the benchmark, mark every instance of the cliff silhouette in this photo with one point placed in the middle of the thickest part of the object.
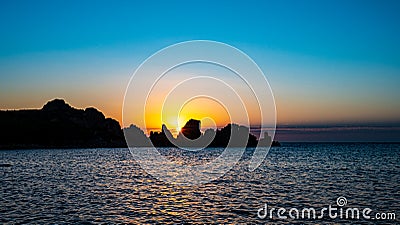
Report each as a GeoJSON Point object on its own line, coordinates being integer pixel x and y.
{"type": "Point", "coordinates": [191, 136]}
{"type": "Point", "coordinates": [58, 125]}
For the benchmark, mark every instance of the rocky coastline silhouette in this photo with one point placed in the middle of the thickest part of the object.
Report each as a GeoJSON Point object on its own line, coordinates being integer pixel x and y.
{"type": "Point", "coordinates": [191, 136]}
{"type": "Point", "coordinates": [58, 125]}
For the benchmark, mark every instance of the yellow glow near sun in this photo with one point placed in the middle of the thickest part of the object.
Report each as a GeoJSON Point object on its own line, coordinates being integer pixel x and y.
{"type": "Point", "coordinates": [175, 124]}
{"type": "Point", "coordinates": [180, 122]}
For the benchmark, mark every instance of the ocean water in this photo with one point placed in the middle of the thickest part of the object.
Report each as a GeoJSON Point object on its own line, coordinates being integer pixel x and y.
{"type": "Point", "coordinates": [108, 186]}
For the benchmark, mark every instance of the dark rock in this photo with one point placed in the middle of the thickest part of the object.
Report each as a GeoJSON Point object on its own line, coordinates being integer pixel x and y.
{"type": "Point", "coordinates": [191, 130]}
{"type": "Point", "coordinates": [160, 139]}
{"type": "Point", "coordinates": [58, 125]}
{"type": "Point", "coordinates": [56, 105]}
{"type": "Point", "coordinates": [232, 135]}
{"type": "Point", "coordinates": [241, 136]}
{"type": "Point", "coordinates": [135, 137]}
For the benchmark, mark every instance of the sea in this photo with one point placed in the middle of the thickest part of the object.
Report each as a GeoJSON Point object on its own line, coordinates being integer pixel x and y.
{"type": "Point", "coordinates": [343, 183]}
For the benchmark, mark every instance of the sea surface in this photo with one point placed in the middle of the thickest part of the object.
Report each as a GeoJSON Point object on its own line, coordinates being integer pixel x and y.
{"type": "Point", "coordinates": [90, 186]}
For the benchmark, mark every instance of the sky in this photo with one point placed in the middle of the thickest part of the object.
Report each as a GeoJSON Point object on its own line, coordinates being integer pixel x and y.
{"type": "Point", "coordinates": [328, 62]}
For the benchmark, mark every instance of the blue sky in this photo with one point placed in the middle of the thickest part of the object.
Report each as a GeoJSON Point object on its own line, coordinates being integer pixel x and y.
{"type": "Point", "coordinates": [327, 61]}
{"type": "Point", "coordinates": [365, 31]}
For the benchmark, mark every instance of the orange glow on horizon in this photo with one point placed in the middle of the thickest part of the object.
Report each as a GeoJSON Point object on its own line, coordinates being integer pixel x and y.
{"type": "Point", "coordinates": [210, 112]}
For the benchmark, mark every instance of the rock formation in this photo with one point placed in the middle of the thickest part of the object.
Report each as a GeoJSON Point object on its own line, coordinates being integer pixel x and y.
{"type": "Point", "coordinates": [191, 130]}
{"type": "Point", "coordinates": [232, 135]}
{"type": "Point", "coordinates": [58, 125]}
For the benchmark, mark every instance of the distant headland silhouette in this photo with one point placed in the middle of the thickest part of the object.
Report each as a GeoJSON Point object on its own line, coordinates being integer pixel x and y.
{"type": "Point", "coordinates": [58, 125]}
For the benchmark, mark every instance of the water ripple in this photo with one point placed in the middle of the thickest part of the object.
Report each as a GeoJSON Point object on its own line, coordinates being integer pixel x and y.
{"type": "Point", "coordinates": [107, 186]}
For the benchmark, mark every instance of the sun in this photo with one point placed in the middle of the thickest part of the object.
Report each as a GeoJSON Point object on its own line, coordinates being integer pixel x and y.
{"type": "Point", "coordinates": [179, 124]}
